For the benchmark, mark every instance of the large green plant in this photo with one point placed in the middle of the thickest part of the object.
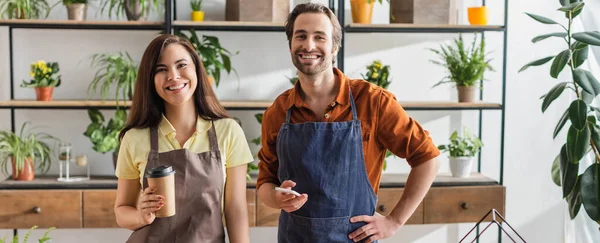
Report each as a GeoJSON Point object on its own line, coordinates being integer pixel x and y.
{"type": "Point", "coordinates": [45, 237]}
{"type": "Point", "coordinates": [24, 9]}
{"type": "Point", "coordinates": [214, 57]}
{"type": "Point", "coordinates": [118, 68]}
{"type": "Point", "coordinates": [583, 136]}
{"type": "Point", "coordinates": [25, 145]}
{"type": "Point", "coordinates": [465, 67]}
{"type": "Point", "coordinates": [105, 138]}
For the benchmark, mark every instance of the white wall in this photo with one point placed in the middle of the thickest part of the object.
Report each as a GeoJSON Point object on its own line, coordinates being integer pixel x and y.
{"type": "Point", "coordinates": [534, 207]}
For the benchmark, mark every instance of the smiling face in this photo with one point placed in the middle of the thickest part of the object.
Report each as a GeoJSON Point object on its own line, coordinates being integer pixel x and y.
{"type": "Point", "coordinates": [312, 43]}
{"type": "Point", "coordinates": [175, 80]}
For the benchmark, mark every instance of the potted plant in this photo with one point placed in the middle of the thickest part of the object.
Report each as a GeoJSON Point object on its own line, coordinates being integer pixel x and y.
{"type": "Point", "coordinates": [45, 237]}
{"type": "Point", "coordinates": [24, 9]}
{"type": "Point", "coordinates": [76, 9]}
{"type": "Point", "coordinates": [579, 189]}
{"type": "Point", "coordinates": [214, 57]}
{"type": "Point", "coordinates": [197, 13]}
{"type": "Point", "coordinates": [378, 74]}
{"type": "Point", "coordinates": [45, 78]}
{"type": "Point", "coordinates": [362, 10]}
{"type": "Point", "coordinates": [461, 151]}
{"type": "Point", "coordinates": [134, 10]}
{"type": "Point", "coordinates": [23, 151]}
{"type": "Point", "coordinates": [465, 67]}
{"type": "Point", "coordinates": [105, 138]}
{"type": "Point", "coordinates": [114, 69]}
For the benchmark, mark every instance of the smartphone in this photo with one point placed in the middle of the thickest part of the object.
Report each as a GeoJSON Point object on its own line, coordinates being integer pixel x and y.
{"type": "Point", "coordinates": [287, 191]}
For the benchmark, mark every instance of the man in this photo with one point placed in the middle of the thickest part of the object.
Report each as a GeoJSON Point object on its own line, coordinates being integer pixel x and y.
{"type": "Point", "coordinates": [326, 138]}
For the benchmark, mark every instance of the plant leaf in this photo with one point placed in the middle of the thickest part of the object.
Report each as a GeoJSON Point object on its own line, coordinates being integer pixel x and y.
{"type": "Point", "coordinates": [561, 123]}
{"type": "Point", "coordinates": [542, 19]}
{"type": "Point", "coordinates": [576, 6]}
{"type": "Point", "coordinates": [588, 37]}
{"type": "Point", "coordinates": [578, 143]}
{"type": "Point", "coordinates": [578, 114]}
{"type": "Point", "coordinates": [554, 93]}
{"type": "Point", "coordinates": [590, 191]}
{"type": "Point", "coordinates": [543, 37]}
{"type": "Point", "coordinates": [586, 80]}
{"type": "Point", "coordinates": [556, 170]}
{"type": "Point", "coordinates": [536, 63]}
{"type": "Point", "coordinates": [574, 199]}
{"type": "Point", "coordinates": [568, 172]}
{"type": "Point", "coordinates": [579, 56]}
{"type": "Point", "coordinates": [559, 63]}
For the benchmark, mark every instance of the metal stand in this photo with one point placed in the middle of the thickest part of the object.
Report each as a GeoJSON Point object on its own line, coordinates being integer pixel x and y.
{"type": "Point", "coordinates": [65, 159]}
{"type": "Point", "coordinates": [494, 221]}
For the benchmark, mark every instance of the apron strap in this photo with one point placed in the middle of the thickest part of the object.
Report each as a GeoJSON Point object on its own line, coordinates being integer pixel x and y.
{"type": "Point", "coordinates": [212, 138]}
{"type": "Point", "coordinates": [353, 106]}
{"type": "Point", "coordinates": [153, 155]}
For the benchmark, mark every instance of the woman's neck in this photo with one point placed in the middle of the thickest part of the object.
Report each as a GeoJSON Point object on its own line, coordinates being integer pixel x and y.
{"type": "Point", "coordinates": [183, 118]}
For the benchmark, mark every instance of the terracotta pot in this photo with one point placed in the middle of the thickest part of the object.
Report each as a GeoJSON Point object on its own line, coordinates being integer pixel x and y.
{"type": "Point", "coordinates": [77, 11]}
{"type": "Point", "coordinates": [361, 11]}
{"type": "Point", "coordinates": [25, 174]}
{"type": "Point", "coordinates": [466, 93]}
{"type": "Point", "coordinates": [44, 93]}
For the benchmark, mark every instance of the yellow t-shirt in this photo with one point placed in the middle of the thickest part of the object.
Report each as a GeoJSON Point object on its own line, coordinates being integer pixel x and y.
{"type": "Point", "coordinates": [135, 146]}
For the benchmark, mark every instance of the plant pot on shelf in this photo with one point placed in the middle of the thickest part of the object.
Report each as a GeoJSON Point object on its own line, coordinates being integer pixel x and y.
{"type": "Point", "coordinates": [44, 93]}
{"type": "Point", "coordinates": [477, 15]}
{"type": "Point", "coordinates": [361, 11]}
{"type": "Point", "coordinates": [461, 166]}
{"type": "Point", "coordinates": [197, 16]}
{"type": "Point", "coordinates": [466, 93]}
{"type": "Point", "coordinates": [257, 10]}
{"type": "Point", "coordinates": [27, 173]}
{"type": "Point", "coordinates": [77, 11]}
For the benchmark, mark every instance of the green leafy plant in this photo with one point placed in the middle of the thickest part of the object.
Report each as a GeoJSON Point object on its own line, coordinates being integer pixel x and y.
{"type": "Point", "coordinates": [133, 9]}
{"type": "Point", "coordinates": [466, 145]}
{"type": "Point", "coordinates": [214, 57]}
{"type": "Point", "coordinates": [43, 75]}
{"type": "Point", "coordinates": [378, 74]}
{"type": "Point", "coordinates": [25, 145]}
{"type": "Point", "coordinates": [24, 9]}
{"type": "Point", "coordinates": [69, 2]}
{"type": "Point", "coordinates": [105, 138]}
{"type": "Point", "coordinates": [583, 135]}
{"type": "Point", "coordinates": [465, 67]}
{"type": "Point", "coordinates": [196, 5]}
{"type": "Point", "coordinates": [119, 69]}
{"type": "Point", "coordinates": [45, 237]}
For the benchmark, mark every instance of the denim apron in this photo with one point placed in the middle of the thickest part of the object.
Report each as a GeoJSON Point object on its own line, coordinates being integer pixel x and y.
{"type": "Point", "coordinates": [326, 161]}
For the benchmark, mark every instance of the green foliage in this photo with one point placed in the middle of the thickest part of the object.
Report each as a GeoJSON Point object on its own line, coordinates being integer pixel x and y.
{"type": "Point", "coordinates": [45, 237]}
{"type": "Point", "coordinates": [43, 75]}
{"type": "Point", "coordinates": [466, 145]}
{"type": "Point", "coordinates": [196, 5]}
{"type": "Point", "coordinates": [24, 9]}
{"type": "Point", "coordinates": [378, 74]}
{"type": "Point", "coordinates": [105, 138]}
{"type": "Point", "coordinates": [119, 69]}
{"type": "Point", "coordinates": [120, 7]}
{"type": "Point", "coordinates": [583, 135]}
{"type": "Point", "coordinates": [214, 57]}
{"type": "Point", "coordinates": [69, 2]}
{"type": "Point", "coordinates": [25, 145]}
{"type": "Point", "coordinates": [465, 67]}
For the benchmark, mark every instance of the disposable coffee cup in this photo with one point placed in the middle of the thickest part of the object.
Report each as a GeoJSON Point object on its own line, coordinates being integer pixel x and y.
{"type": "Point", "coordinates": [163, 179]}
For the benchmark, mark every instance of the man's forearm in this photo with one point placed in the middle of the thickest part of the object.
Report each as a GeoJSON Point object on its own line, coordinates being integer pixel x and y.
{"type": "Point", "coordinates": [418, 183]}
{"type": "Point", "coordinates": [266, 193]}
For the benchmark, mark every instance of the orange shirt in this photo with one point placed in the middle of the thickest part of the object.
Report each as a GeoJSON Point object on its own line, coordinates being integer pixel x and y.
{"type": "Point", "coordinates": [385, 126]}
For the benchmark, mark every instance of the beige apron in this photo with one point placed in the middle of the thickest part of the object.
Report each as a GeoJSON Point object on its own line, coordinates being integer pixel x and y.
{"type": "Point", "coordinates": [198, 188]}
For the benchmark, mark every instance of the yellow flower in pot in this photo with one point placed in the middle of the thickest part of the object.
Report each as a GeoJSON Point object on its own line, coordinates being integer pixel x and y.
{"type": "Point", "coordinates": [465, 67]}
{"type": "Point", "coordinates": [197, 13]}
{"type": "Point", "coordinates": [44, 78]}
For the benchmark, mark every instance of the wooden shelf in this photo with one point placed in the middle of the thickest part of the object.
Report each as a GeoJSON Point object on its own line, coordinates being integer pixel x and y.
{"type": "Point", "coordinates": [87, 24]}
{"type": "Point", "coordinates": [232, 105]}
{"type": "Point", "coordinates": [419, 28]}
{"type": "Point", "coordinates": [229, 25]}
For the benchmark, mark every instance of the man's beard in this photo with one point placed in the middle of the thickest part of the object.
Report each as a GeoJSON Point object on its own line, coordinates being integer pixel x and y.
{"type": "Point", "coordinates": [322, 65]}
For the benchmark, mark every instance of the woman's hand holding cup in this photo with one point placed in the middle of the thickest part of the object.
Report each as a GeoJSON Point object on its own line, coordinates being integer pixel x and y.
{"type": "Point", "coordinates": [148, 204]}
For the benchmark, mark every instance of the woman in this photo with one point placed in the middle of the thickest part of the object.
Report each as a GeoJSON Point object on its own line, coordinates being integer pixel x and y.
{"type": "Point", "coordinates": [176, 115]}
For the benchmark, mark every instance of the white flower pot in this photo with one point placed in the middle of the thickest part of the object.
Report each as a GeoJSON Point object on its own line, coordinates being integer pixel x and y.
{"type": "Point", "coordinates": [461, 166]}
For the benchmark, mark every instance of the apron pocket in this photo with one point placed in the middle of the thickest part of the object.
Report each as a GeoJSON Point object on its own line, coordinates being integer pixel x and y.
{"type": "Point", "coordinates": [303, 229]}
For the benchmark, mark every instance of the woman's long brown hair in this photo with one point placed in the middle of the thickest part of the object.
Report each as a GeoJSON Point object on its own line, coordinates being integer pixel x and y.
{"type": "Point", "coordinates": [147, 106]}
